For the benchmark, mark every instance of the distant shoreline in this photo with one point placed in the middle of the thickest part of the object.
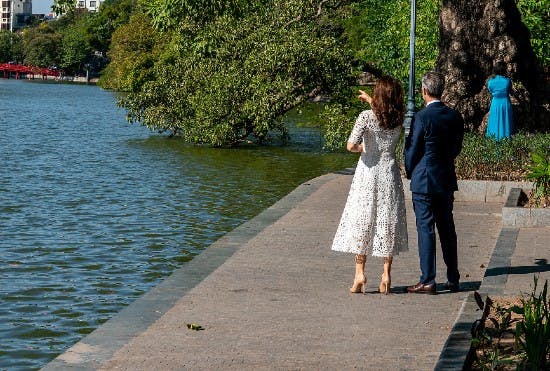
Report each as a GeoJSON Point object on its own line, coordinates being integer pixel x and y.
{"type": "Point", "coordinates": [59, 80]}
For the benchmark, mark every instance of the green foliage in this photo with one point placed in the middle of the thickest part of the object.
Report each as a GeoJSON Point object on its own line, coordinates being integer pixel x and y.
{"type": "Point", "coordinates": [378, 34]}
{"type": "Point", "coordinates": [11, 47]}
{"type": "Point", "coordinates": [233, 77]}
{"type": "Point", "coordinates": [63, 6]}
{"type": "Point", "coordinates": [533, 331]}
{"type": "Point", "coordinates": [71, 40]}
{"type": "Point", "coordinates": [539, 173]}
{"type": "Point", "coordinates": [207, 77]}
{"type": "Point", "coordinates": [485, 158]}
{"type": "Point", "coordinates": [76, 47]}
{"type": "Point", "coordinates": [337, 119]}
{"type": "Point", "coordinates": [42, 46]}
{"type": "Point", "coordinates": [167, 14]}
{"type": "Point", "coordinates": [535, 14]}
{"type": "Point", "coordinates": [111, 15]}
{"type": "Point", "coordinates": [487, 339]}
{"type": "Point", "coordinates": [337, 124]}
{"type": "Point", "coordinates": [135, 48]}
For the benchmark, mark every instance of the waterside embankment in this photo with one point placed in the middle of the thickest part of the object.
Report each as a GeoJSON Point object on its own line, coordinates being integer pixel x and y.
{"type": "Point", "coordinates": [272, 295]}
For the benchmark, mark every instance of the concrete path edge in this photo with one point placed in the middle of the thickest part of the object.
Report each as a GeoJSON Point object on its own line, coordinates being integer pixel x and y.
{"type": "Point", "coordinates": [456, 351]}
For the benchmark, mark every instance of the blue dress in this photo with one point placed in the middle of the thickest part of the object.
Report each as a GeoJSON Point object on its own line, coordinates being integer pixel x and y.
{"type": "Point", "coordinates": [501, 120]}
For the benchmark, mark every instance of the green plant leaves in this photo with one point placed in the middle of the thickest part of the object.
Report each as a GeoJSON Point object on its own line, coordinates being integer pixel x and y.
{"type": "Point", "coordinates": [532, 332]}
{"type": "Point", "coordinates": [539, 172]}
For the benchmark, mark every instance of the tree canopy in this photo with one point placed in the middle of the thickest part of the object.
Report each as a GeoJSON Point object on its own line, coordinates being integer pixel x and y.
{"type": "Point", "coordinates": [11, 47]}
{"type": "Point", "coordinates": [230, 78]}
{"type": "Point", "coordinates": [222, 72]}
{"type": "Point", "coordinates": [42, 45]}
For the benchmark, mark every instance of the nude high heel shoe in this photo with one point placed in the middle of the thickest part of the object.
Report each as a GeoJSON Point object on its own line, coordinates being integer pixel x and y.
{"type": "Point", "coordinates": [359, 285]}
{"type": "Point", "coordinates": [385, 283]}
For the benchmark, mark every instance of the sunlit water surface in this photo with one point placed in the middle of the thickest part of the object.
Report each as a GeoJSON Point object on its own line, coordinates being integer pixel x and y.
{"type": "Point", "coordinates": [95, 211]}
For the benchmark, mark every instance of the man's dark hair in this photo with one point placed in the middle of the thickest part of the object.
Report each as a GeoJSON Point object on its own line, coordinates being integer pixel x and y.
{"type": "Point", "coordinates": [433, 82]}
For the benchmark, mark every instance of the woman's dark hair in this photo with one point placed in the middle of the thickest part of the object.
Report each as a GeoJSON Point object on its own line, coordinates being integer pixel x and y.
{"type": "Point", "coordinates": [500, 68]}
{"type": "Point", "coordinates": [388, 103]}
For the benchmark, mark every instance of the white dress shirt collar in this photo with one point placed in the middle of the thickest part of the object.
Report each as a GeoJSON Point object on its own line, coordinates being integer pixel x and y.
{"type": "Point", "coordinates": [433, 101]}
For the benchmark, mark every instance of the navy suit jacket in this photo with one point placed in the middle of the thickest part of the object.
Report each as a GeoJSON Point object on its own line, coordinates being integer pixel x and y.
{"type": "Point", "coordinates": [434, 141]}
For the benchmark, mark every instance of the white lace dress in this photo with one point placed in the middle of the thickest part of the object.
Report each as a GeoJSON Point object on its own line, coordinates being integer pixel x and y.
{"type": "Point", "coordinates": [374, 216]}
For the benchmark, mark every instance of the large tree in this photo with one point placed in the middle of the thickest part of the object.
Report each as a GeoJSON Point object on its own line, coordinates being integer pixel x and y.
{"type": "Point", "coordinates": [76, 49]}
{"type": "Point", "coordinates": [42, 46]}
{"type": "Point", "coordinates": [228, 77]}
{"type": "Point", "coordinates": [472, 37]}
{"type": "Point", "coordinates": [111, 15]}
{"type": "Point", "coordinates": [202, 68]}
{"type": "Point", "coordinates": [11, 47]}
{"type": "Point", "coordinates": [135, 48]}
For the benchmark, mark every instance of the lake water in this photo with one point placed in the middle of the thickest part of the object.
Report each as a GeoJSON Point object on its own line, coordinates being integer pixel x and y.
{"type": "Point", "coordinates": [95, 211]}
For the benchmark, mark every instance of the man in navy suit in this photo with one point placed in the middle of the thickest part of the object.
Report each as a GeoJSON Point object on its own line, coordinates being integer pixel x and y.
{"type": "Point", "coordinates": [434, 141]}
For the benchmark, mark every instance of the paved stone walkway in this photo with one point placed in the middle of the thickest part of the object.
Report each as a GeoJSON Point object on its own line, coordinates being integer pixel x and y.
{"type": "Point", "coordinates": [271, 295]}
{"type": "Point", "coordinates": [531, 257]}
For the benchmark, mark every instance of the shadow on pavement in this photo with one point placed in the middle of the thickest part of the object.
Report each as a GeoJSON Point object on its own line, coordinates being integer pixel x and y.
{"type": "Point", "coordinates": [541, 265]}
{"type": "Point", "coordinates": [464, 287]}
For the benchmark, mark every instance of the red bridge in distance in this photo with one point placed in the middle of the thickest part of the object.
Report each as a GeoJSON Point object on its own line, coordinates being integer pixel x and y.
{"type": "Point", "coordinates": [28, 71]}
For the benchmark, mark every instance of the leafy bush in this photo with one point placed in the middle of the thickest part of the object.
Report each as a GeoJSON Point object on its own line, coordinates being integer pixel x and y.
{"type": "Point", "coordinates": [539, 173]}
{"type": "Point", "coordinates": [487, 340]}
{"type": "Point", "coordinates": [515, 335]}
{"type": "Point", "coordinates": [484, 158]}
{"type": "Point", "coordinates": [536, 16]}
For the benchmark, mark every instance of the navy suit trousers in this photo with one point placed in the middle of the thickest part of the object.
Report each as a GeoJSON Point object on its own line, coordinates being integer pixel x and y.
{"type": "Point", "coordinates": [436, 210]}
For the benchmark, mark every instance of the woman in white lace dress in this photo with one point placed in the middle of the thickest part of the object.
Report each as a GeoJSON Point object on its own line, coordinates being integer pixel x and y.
{"type": "Point", "coordinates": [374, 216]}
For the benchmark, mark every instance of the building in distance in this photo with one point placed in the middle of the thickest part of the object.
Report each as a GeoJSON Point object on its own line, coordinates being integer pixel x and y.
{"type": "Point", "coordinates": [15, 14]}
{"type": "Point", "coordinates": [91, 5]}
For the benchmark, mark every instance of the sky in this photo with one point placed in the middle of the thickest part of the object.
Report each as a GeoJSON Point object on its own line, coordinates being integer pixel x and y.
{"type": "Point", "coordinates": [41, 6]}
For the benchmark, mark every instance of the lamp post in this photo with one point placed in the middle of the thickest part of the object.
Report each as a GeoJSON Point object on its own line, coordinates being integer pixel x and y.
{"type": "Point", "coordinates": [410, 99]}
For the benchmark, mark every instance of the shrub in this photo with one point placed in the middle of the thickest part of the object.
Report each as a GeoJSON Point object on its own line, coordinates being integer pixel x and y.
{"type": "Point", "coordinates": [486, 159]}
{"type": "Point", "coordinates": [539, 173]}
{"type": "Point", "coordinates": [515, 335]}
{"type": "Point", "coordinates": [533, 331]}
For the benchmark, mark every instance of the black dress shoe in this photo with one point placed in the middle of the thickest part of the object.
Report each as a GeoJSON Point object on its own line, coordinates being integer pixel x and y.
{"type": "Point", "coordinates": [452, 287]}
{"type": "Point", "coordinates": [422, 288]}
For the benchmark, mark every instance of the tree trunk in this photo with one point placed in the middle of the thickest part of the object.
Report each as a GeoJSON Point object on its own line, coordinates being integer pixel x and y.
{"type": "Point", "coordinates": [474, 35]}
